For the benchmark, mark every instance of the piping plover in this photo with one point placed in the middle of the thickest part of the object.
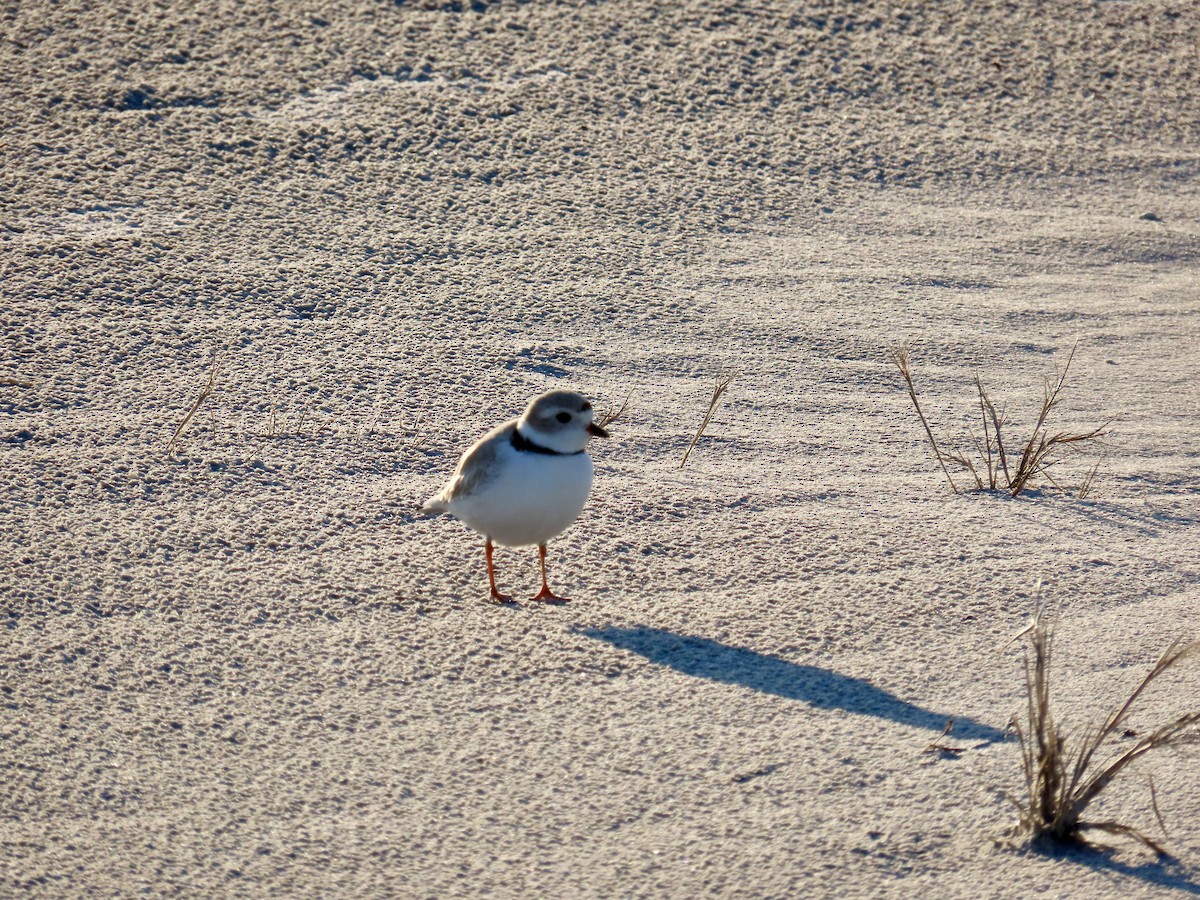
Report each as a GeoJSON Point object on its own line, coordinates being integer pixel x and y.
{"type": "Point", "coordinates": [525, 481]}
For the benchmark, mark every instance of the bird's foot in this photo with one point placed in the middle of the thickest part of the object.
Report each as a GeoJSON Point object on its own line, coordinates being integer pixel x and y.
{"type": "Point", "coordinates": [501, 599]}
{"type": "Point", "coordinates": [546, 596]}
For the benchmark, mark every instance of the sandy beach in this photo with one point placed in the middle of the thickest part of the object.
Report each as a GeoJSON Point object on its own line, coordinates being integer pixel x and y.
{"type": "Point", "coordinates": [336, 242]}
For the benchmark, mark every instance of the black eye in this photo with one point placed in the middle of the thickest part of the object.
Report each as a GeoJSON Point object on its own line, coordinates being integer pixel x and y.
{"type": "Point", "coordinates": [563, 417]}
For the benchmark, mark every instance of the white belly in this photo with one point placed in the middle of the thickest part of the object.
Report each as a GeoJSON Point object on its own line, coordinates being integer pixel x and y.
{"type": "Point", "coordinates": [533, 498]}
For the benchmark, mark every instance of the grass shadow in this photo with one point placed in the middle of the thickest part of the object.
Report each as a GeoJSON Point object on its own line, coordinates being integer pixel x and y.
{"type": "Point", "coordinates": [820, 688]}
{"type": "Point", "coordinates": [1167, 873]}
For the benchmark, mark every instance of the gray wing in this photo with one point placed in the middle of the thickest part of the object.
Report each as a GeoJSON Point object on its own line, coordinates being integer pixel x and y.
{"type": "Point", "coordinates": [475, 469]}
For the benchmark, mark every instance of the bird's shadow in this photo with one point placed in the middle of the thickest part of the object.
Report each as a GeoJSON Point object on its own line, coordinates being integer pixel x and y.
{"type": "Point", "coordinates": [818, 687]}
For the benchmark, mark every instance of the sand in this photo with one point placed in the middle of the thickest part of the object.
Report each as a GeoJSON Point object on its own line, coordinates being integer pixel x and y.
{"type": "Point", "coordinates": [242, 665]}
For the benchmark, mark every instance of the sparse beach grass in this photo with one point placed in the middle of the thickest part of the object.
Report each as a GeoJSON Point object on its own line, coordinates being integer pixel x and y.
{"type": "Point", "coordinates": [994, 466]}
{"type": "Point", "coordinates": [1065, 771]}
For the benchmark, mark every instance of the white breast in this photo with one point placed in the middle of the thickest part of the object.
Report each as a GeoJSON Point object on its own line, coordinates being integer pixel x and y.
{"type": "Point", "coordinates": [531, 498]}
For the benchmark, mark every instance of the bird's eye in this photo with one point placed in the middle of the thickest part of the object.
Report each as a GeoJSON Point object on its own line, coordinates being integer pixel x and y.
{"type": "Point", "coordinates": [564, 417]}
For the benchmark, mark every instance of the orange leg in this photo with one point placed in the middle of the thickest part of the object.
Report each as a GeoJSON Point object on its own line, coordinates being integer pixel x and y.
{"type": "Point", "coordinates": [545, 594]}
{"type": "Point", "coordinates": [497, 597]}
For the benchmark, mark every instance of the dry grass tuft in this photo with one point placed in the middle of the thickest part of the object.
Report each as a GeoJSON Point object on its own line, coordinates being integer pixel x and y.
{"type": "Point", "coordinates": [722, 385]}
{"type": "Point", "coordinates": [205, 393]}
{"type": "Point", "coordinates": [1063, 773]}
{"type": "Point", "coordinates": [994, 467]}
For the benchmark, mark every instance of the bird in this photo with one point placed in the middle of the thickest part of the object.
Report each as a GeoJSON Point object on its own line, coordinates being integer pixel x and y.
{"type": "Point", "coordinates": [525, 481]}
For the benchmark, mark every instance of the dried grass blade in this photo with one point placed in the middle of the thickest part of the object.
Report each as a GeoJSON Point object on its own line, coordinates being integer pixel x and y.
{"type": "Point", "coordinates": [204, 394]}
{"type": "Point", "coordinates": [900, 356]}
{"type": "Point", "coordinates": [722, 385]}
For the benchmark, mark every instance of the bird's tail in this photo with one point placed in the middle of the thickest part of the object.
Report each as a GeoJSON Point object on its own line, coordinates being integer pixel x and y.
{"type": "Point", "coordinates": [433, 506]}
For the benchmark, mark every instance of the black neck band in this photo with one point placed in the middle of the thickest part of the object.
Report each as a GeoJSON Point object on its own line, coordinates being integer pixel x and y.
{"type": "Point", "coordinates": [522, 443]}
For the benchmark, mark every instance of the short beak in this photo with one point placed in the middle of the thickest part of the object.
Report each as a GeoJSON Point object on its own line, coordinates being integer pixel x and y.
{"type": "Point", "coordinates": [595, 430]}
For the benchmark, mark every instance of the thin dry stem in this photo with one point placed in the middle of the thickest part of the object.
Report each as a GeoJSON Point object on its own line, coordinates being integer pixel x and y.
{"type": "Point", "coordinates": [998, 419]}
{"type": "Point", "coordinates": [1111, 827]}
{"type": "Point", "coordinates": [984, 403]}
{"type": "Point", "coordinates": [719, 389]}
{"type": "Point", "coordinates": [1085, 489]}
{"type": "Point", "coordinates": [937, 745]}
{"type": "Point", "coordinates": [1154, 805]}
{"type": "Point", "coordinates": [900, 358]}
{"type": "Point", "coordinates": [613, 413]}
{"type": "Point", "coordinates": [964, 462]}
{"type": "Point", "coordinates": [204, 394]}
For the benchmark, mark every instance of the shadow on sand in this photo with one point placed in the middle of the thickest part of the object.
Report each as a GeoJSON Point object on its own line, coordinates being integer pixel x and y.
{"type": "Point", "coordinates": [821, 688]}
{"type": "Point", "coordinates": [1167, 873]}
